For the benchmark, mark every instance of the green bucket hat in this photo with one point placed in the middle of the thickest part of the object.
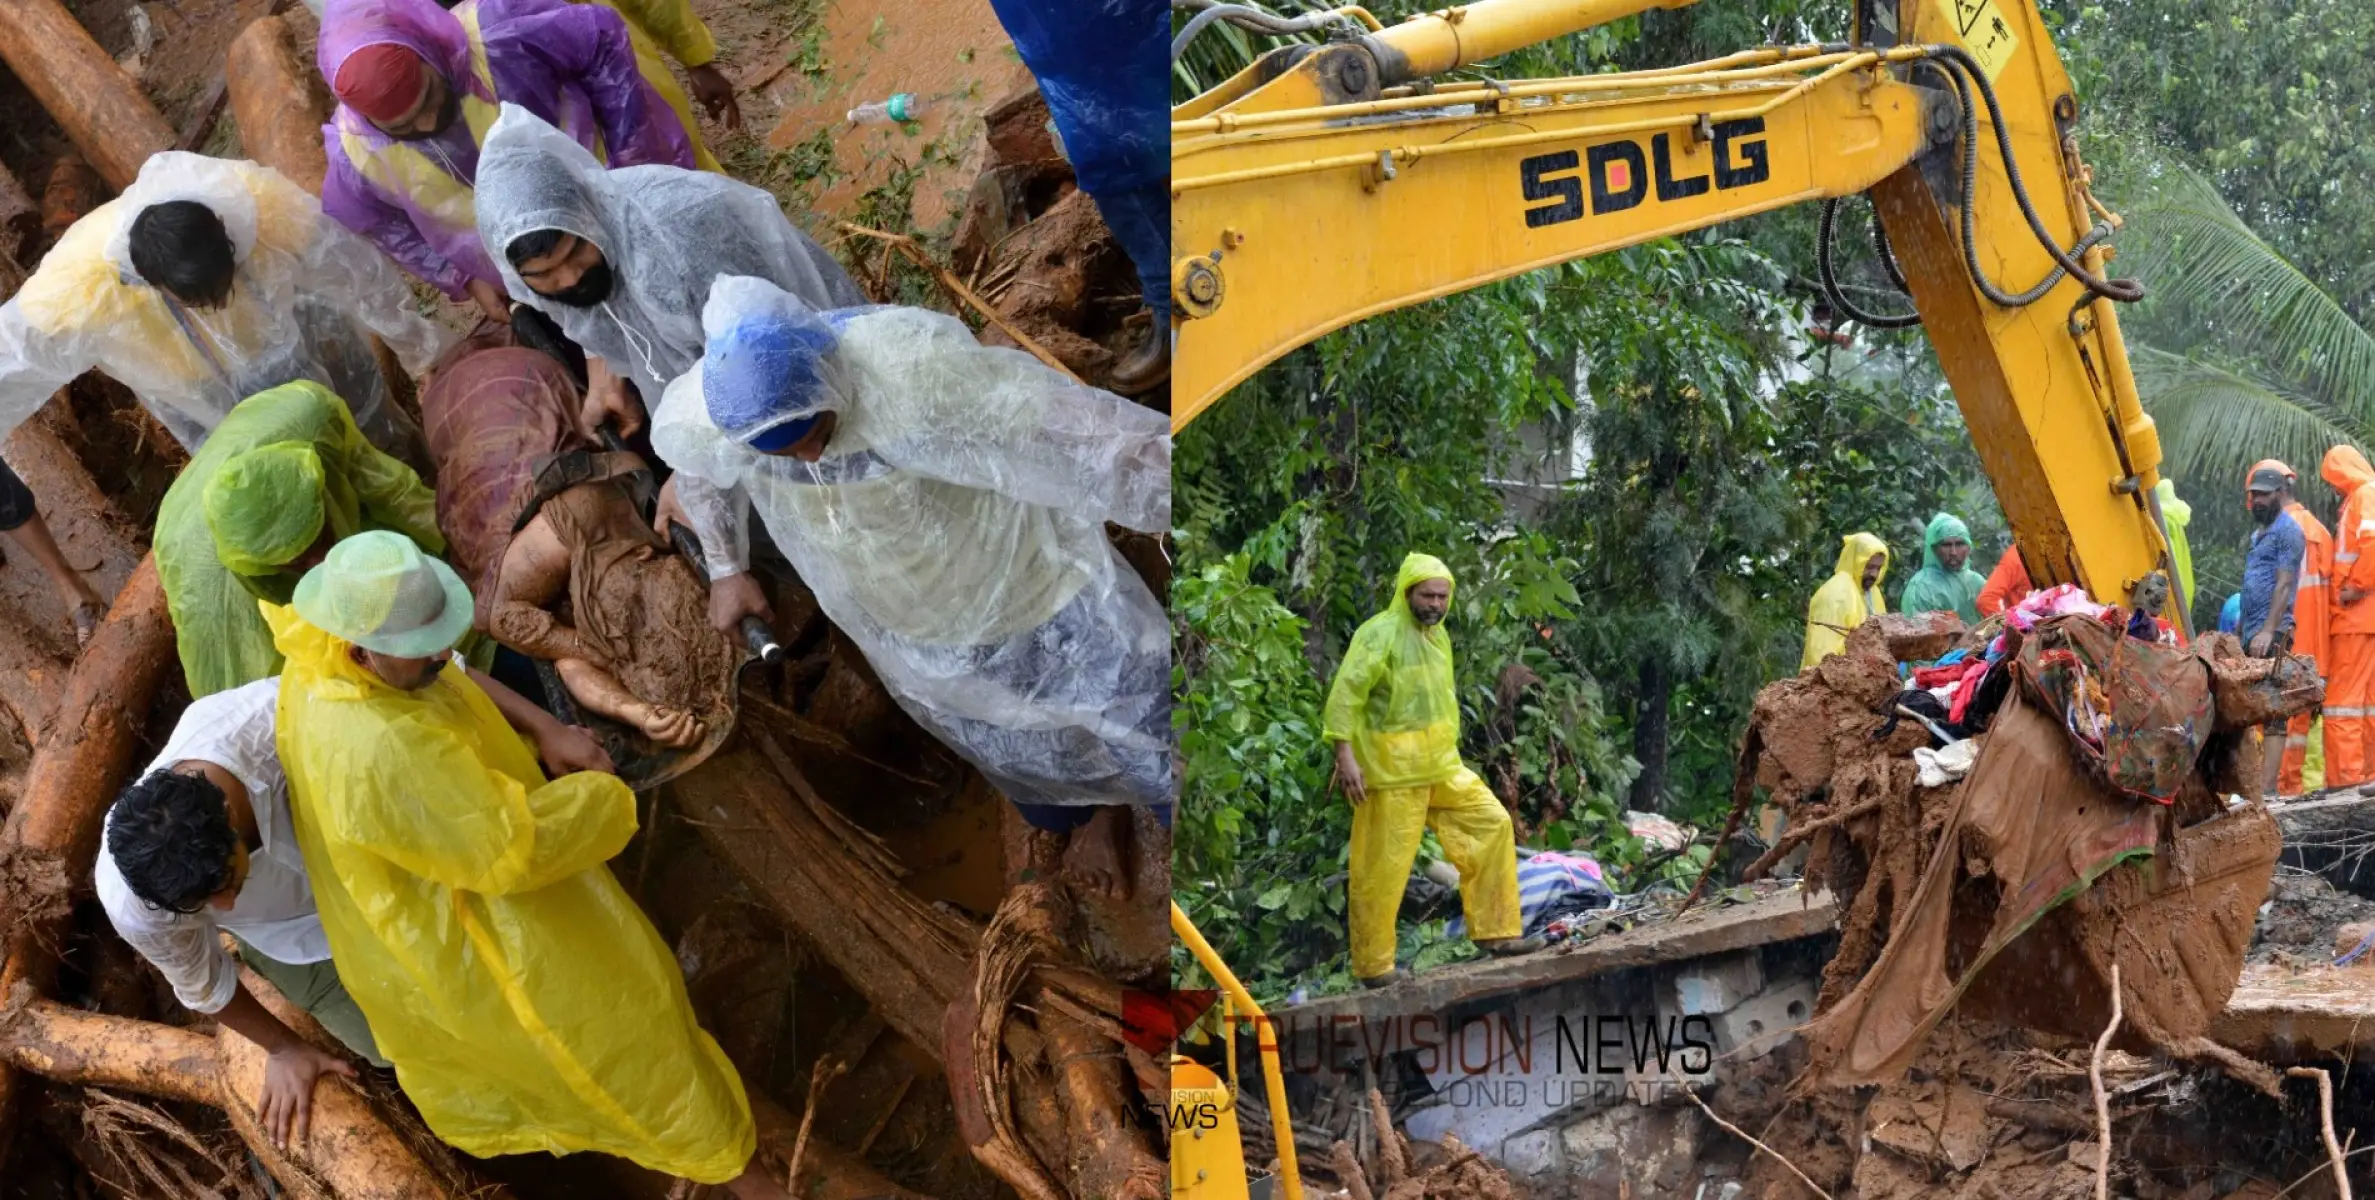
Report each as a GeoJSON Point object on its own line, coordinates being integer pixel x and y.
{"type": "Point", "coordinates": [265, 506]}
{"type": "Point", "coordinates": [378, 591]}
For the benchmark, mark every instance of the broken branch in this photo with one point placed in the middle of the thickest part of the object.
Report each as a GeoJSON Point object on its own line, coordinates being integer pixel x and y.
{"type": "Point", "coordinates": [2094, 1075]}
{"type": "Point", "coordinates": [1742, 1134]}
{"type": "Point", "coordinates": [2325, 1120]}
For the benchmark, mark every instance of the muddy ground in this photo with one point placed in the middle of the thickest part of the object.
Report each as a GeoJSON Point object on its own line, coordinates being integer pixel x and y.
{"type": "Point", "coordinates": [774, 1006]}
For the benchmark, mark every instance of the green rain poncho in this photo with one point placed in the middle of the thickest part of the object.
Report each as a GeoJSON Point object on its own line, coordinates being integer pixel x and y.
{"type": "Point", "coordinates": [282, 465]}
{"type": "Point", "coordinates": [1393, 698]}
{"type": "Point", "coordinates": [1934, 588]}
{"type": "Point", "coordinates": [1842, 602]}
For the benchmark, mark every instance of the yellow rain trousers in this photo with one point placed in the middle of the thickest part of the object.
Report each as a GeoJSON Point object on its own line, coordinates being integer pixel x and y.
{"type": "Point", "coordinates": [527, 1003]}
{"type": "Point", "coordinates": [1841, 604]}
{"type": "Point", "coordinates": [1394, 701]}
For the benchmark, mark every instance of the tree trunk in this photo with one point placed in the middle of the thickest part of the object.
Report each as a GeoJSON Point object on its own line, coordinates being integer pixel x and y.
{"type": "Point", "coordinates": [279, 102]}
{"type": "Point", "coordinates": [102, 111]}
{"type": "Point", "coordinates": [1651, 722]}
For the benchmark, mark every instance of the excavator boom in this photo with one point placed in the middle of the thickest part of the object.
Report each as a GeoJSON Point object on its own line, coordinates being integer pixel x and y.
{"type": "Point", "coordinates": [1328, 184]}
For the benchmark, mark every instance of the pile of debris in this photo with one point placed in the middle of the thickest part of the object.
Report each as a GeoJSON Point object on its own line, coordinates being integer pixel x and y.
{"type": "Point", "coordinates": [2051, 866]}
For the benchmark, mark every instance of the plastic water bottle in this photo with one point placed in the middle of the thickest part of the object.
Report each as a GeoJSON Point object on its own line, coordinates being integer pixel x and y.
{"type": "Point", "coordinates": [901, 108]}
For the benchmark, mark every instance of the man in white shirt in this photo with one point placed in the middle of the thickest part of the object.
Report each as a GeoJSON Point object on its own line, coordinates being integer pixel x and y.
{"type": "Point", "coordinates": [201, 842]}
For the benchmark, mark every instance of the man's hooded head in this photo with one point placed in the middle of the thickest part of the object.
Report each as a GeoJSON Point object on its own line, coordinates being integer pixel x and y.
{"type": "Point", "coordinates": [401, 65]}
{"type": "Point", "coordinates": [1864, 558]}
{"type": "Point", "coordinates": [539, 202]}
{"type": "Point", "coordinates": [2346, 470]}
{"type": "Point", "coordinates": [769, 376]}
{"type": "Point", "coordinates": [1422, 589]}
{"type": "Point", "coordinates": [1946, 544]}
{"type": "Point", "coordinates": [267, 508]}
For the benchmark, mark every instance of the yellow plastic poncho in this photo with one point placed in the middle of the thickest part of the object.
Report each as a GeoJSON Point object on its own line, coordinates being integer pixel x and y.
{"type": "Point", "coordinates": [672, 26]}
{"type": "Point", "coordinates": [527, 1003]}
{"type": "Point", "coordinates": [282, 464]}
{"type": "Point", "coordinates": [1393, 698]}
{"type": "Point", "coordinates": [1842, 603]}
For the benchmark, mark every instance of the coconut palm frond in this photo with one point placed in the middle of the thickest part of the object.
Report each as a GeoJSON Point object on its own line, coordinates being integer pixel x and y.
{"type": "Point", "coordinates": [2216, 421]}
{"type": "Point", "coordinates": [2212, 277]}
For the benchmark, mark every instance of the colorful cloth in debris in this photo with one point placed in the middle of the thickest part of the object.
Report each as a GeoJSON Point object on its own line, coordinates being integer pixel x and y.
{"type": "Point", "coordinates": [2138, 712]}
{"type": "Point", "coordinates": [1550, 884]}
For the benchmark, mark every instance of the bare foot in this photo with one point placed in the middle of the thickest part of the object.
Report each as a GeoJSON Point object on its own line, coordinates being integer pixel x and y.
{"type": "Point", "coordinates": [1093, 854]}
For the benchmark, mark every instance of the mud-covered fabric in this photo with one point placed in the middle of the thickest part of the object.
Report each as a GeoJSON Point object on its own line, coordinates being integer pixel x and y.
{"type": "Point", "coordinates": [16, 500]}
{"type": "Point", "coordinates": [954, 528]}
{"type": "Point", "coordinates": [666, 233]}
{"type": "Point", "coordinates": [305, 298]}
{"type": "Point", "coordinates": [2136, 712]}
{"type": "Point", "coordinates": [491, 410]}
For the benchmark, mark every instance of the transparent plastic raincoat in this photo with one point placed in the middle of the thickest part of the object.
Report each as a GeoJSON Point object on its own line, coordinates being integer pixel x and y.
{"type": "Point", "coordinates": [571, 64]}
{"type": "Point", "coordinates": [306, 292]}
{"type": "Point", "coordinates": [1842, 602]}
{"type": "Point", "coordinates": [955, 530]}
{"type": "Point", "coordinates": [527, 1003]}
{"type": "Point", "coordinates": [1936, 589]}
{"type": "Point", "coordinates": [666, 233]}
{"type": "Point", "coordinates": [286, 463]}
{"type": "Point", "coordinates": [1393, 697]}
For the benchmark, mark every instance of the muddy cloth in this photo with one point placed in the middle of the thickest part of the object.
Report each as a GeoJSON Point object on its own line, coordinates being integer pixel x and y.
{"type": "Point", "coordinates": [666, 234]}
{"type": "Point", "coordinates": [528, 1004]}
{"type": "Point", "coordinates": [2045, 831]}
{"type": "Point", "coordinates": [2138, 713]}
{"type": "Point", "coordinates": [491, 409]}
{"type": "Point", "coordinates": [306, 294]}
{"type": "Point", "coordinates": [573, 65]}
{"type": "Point", "coordinates": [637, 609]}
{"type": "Point", "coordinates": [16, 500]}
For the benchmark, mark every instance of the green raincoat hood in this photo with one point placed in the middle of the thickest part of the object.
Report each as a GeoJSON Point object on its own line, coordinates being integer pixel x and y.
{"type": "Point", "coordinates": [1945, 527]}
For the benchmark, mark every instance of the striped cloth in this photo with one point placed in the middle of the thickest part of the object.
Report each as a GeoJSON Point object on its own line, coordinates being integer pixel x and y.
{"type": "Point", "coordinates": [1544, 879]}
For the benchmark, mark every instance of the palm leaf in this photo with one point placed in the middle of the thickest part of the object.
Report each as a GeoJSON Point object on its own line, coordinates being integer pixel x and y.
{"type": "Point", "coordinates": [2216, 283]}
{"type": "Point", "coordinates": [2215, 421]}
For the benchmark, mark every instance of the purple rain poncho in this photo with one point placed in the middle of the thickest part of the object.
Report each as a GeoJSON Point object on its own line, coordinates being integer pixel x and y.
{"type": "Point", "coordinates": [574, 65]}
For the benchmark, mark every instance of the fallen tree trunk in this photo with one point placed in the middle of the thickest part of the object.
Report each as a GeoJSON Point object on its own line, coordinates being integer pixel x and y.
{"type": "Point", "coordinates": [833, 883]}
{"type": "Point", "coordinates": [348, 1152]}
{"type": "Point", "coordinates": [278, 101]}
{"type": "Point", "coordinates": [827, 1172]}
{"type": "Point", "coordinates": [51, 836]}
{"type": "Point", "coordinates": [101, 110]}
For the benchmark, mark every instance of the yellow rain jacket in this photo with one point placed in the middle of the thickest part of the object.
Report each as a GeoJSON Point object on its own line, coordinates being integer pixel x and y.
{"type": "Point", "coordinates": [527, 1003]}
{"type": "Point", "coordinates": [1393, 698]}
{"type": "Point", "coordinates": [1841, 603]}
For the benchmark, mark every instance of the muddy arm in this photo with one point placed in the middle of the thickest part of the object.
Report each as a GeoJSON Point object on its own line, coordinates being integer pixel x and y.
{"type": "Point", "coordinates": [536, 573]}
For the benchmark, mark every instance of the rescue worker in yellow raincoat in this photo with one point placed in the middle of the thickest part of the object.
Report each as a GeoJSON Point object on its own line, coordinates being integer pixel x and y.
{"type": "Point", "coordinates": [1395, 719]}
{"type": "Point", "coordinates": [1844, 601]}
{"type": "Point", "coordinates": [527, 1003]}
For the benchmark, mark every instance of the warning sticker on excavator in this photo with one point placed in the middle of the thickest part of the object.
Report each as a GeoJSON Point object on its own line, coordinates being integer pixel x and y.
{"type": "Point", "coordinates": [1984, 32]}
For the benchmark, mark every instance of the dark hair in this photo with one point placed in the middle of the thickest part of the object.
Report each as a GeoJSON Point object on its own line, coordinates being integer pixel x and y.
{"type": "Point", "coordinates": [535, 243]}
{"type": "Point", "coordinates": [181, 246]}
{"type": "Point", "coordinates": [531, 329]}
{"type": "Point", "coordinates": [171, 837]}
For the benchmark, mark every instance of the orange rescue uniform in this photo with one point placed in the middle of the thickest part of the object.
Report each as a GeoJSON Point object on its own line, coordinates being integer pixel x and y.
{"type": "Point", "coordinates": [2350, 680]}
{"type": "Point", "coordinates": [2313, 603]}
{"type": "Point", "coordinates": [2007, 585]}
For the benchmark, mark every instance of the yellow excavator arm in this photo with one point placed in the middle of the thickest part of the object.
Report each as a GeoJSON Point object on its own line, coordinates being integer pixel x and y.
{"type": "Point", "coordinates": [1325, 184]}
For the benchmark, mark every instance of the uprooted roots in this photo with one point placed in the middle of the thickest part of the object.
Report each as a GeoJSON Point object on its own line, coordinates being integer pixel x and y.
{"type": "Point", "coordinates": [1463, 1174]}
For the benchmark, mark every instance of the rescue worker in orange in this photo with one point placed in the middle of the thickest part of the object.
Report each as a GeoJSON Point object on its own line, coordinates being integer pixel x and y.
{"type": "Point", "coordinates": [2350, 683]}
{"type": "Point", "coordinates": [2312, 615]}
{"type": "Point", "coordinates": [2007, 585]}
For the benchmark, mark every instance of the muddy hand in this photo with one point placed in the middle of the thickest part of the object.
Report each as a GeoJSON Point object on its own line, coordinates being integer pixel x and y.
{"type": "Point", "coordinates": [672, 727]}
{"type": "Point", "coordinates": [287, 1103]}
{"type": "Point", "coordinates": [568, 749]}
{"type": "Point", "coordinates": [734, 597]}
{"type": "Point", "coordinates": [716, 94]}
